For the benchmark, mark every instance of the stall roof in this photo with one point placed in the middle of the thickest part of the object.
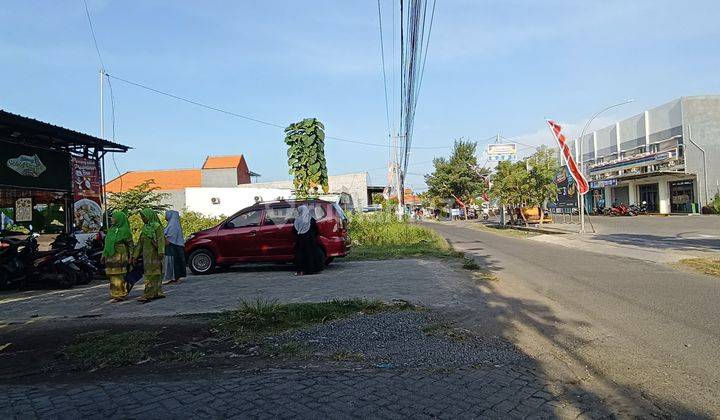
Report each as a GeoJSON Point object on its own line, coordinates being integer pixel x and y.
{"type": "Point", "coordinates": [19, 129]}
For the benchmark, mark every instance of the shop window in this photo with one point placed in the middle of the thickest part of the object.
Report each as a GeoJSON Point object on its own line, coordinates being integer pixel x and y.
{"type": "Point", "coordinates": [682, 196]}
{"type": "Point", "coordinates": [43, 211]}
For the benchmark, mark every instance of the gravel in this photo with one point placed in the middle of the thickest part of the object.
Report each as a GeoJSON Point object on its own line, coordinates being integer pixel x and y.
{"type": "Point", "coordinates": [402, 339]}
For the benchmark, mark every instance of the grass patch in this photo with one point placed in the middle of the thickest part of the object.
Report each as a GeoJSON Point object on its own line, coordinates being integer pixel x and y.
{"type": "Point", "coordinates": [710, 266]}
{"type": "Point", "coordinates": [346, 356]}
{"type": "Point", "coordinates": [186, 358]}
{"type": "Point", "coordinates": [99, 349]}
{"type": "Point", "coordinates": [257, 318]}
{"type": "Point", "coordinates": [291, 349]}
{"type": "Point", "coordinates": [470, 264]}
{"type": "Point", "coordinates": [382, 236]}
{"type": "Point", "coordinates": [446, 331]}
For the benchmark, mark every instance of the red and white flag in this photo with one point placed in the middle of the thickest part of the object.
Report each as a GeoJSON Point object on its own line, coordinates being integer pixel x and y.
{"type": "Point", "coordinates": [579, 178]}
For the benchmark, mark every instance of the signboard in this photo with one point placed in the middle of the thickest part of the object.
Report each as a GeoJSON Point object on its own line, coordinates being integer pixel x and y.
{"type": "Point", "coordinates": [502, 151]}
{"type": "Point", "coordinates": [567, 191]}
{"type": "Point", "coordinates": [86, 195]}
{"type": "Point", "coordinates": [603, 183]}
{"type": "Point", "coordinates": [23, 210]}
{"type": "Point", "coordinates": [34, 168]}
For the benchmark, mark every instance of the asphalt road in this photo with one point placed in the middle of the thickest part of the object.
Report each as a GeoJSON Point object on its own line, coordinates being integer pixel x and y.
{"type": "Point", "coordinates": [630, 325]}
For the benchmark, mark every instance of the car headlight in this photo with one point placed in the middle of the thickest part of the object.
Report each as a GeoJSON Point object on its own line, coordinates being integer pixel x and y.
{"type": "Point", "coordinates": [189, 238]}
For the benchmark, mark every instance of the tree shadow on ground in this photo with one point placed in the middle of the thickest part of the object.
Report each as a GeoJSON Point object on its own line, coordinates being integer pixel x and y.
{"type": "Point", "coordinates": [660, 241]}
{"type": "Point", "coordinates": [616, 399]}
{"type": "Point", "coordinates": [621, 400]}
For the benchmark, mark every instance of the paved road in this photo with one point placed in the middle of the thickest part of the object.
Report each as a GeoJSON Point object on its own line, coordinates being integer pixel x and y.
{"type": "Point", "coordinates": [503, 392]}
{"type": "Point", "coordinates": [634, 323]}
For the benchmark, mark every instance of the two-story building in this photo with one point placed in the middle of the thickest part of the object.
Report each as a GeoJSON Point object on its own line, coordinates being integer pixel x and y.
{"type": "Point", "coordinates": [667, 156]}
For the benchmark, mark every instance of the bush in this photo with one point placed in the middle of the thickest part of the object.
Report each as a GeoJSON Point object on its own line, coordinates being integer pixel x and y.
{"type": "Point", "coordinates": [385, 229]}
{"type": "Point", "coordinates": [382, 236]}
{"type": "Point", "coordinates": [191, 222]}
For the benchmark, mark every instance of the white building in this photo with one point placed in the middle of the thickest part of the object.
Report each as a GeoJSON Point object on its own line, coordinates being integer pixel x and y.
{"type": "Point", "coordinates": [666, 156]}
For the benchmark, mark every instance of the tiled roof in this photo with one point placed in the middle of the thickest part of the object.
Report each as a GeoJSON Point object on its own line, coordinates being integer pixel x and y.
{"type": "Point", "coordinates": [222, 162]}
{"type": "Point", "coordinates": [171, 179]}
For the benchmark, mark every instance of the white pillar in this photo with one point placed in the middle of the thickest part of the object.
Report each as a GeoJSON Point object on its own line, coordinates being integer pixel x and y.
{"type": "Point", "coordinates": [632, 193]}
{"type": "Point", "coordinates": [608, 196]}
{"type": "Point", "coordinates": [664, 197]}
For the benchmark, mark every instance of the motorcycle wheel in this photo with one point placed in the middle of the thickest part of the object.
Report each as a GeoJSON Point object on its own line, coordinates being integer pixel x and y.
{"type": "Point", "coordinates": [83, 278]}
{"type": "Point", "coordinates": [66, 279]}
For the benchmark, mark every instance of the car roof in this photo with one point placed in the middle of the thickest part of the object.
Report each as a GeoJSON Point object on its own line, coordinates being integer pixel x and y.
{"type": "Point", "coordinates": [284, 203]}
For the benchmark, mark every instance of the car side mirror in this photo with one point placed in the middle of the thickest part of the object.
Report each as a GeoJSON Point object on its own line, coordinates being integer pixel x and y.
{"type": "Point", "coordinates": [230, 225]}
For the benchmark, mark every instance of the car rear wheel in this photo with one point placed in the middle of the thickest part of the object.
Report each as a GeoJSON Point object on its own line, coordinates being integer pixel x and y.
{"type": "Point", "coordinates": [201, 261]}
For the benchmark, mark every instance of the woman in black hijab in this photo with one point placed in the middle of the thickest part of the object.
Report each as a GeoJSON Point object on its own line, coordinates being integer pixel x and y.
{"type": "Point", "coordinates": [308, 255]}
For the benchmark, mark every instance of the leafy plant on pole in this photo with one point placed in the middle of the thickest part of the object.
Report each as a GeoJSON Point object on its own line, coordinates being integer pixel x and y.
{"type": "Point", "coordinates": [306, 157]}
{"type": "Point", "coordinates": [458, 177]}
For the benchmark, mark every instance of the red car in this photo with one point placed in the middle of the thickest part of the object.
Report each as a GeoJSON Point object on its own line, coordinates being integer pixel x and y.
{"type": "Point", "coordinates": [264, 233]}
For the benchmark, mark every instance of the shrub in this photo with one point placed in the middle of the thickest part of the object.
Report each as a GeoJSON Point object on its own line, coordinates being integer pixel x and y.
{"type": "Point", "coordinates": [385, 229]}
{"type": "Point", "coordinates": [190, 221]}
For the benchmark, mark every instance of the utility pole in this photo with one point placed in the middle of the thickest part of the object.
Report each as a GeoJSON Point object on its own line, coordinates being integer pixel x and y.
{"type": "Point", "coordinates": [102, 137]}
{"type": "Point", "coordinates": [398, 178]}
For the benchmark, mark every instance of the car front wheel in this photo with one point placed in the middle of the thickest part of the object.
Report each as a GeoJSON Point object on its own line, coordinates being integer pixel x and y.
{"type": "Point", "coordinates": [201, 261]}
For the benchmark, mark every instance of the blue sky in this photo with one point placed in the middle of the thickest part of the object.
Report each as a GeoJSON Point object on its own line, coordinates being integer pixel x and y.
{"type": "Point", "coordinates": [493, 66]}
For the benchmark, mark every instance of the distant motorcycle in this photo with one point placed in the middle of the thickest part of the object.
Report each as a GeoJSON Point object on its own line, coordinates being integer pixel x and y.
{"type": "Point", "coordinates": [639, 209]}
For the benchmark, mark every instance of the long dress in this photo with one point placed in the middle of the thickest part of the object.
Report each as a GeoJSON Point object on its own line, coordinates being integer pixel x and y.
{"type": "Point", "coordinates": [116, 267]}
{"type": "Point", "coordinates": [152, 252]}
{"type": "Point", "coordinates": [308, 254]}
{"type": "Point", "coordinates": [175, 267]}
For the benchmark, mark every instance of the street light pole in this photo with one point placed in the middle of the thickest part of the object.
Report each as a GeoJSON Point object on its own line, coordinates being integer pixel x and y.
{"type": "Point", "coordinates": [582, 164]}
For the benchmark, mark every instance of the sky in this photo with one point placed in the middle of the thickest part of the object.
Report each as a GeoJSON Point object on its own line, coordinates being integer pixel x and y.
{"type": "Point", "coordinates": [493, 67]}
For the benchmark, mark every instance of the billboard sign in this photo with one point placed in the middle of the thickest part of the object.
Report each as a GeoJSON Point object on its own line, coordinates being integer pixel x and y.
{"type": "Point", "coordinates": [567, 191]}
{"type": "Point", "coordinates": [501, 151]}
{"type": "Point", "coordinates": [34, 168]}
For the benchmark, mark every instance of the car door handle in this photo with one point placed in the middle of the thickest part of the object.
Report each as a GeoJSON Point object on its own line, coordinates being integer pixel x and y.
{"type": "Point", "coordinates": [253, 232]}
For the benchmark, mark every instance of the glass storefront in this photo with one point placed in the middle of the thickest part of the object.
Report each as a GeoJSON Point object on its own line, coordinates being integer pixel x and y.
{"type": "Point", "coordinates": [682, 196]}
{"type": "Point", "coordinates": [649, 193]}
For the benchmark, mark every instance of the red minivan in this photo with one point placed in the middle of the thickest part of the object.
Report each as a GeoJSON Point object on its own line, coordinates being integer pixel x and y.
{"type": "Point", "coordinates": [264, 233]}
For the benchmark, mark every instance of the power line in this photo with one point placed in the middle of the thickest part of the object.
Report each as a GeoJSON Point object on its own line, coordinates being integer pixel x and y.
{"type": "Point", "coordinates": [92, 31]}
{"type": "Point", "coordinates": [234, 114]}
{"type": "Point", "coordinates": [382, 56]}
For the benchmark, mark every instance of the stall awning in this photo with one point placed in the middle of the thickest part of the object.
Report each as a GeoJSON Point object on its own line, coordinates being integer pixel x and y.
{"type": "Point", "coordinates": [23, 130]}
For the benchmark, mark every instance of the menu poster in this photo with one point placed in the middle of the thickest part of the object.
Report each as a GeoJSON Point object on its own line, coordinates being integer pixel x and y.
{"type": "Point", "coordinates": [86, 194]}
{"type": "Point", "coordinates": [23, 210]}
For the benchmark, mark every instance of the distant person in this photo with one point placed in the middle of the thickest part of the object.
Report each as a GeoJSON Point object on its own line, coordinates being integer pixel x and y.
{"type": "Point", "coordinates": [308, 255]}
{"type": "Point", "coordinates": [151, 247]}
{"type": "Point", "coordinates": [175, 267]}
{"type": "Point", "coordinates": [116, 255]}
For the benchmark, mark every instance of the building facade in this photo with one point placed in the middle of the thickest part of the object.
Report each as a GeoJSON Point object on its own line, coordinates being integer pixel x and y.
{"type": "Point", "coordinates": [663, 157]}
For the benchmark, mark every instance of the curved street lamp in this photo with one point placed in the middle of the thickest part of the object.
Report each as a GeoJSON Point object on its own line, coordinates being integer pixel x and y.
{"type": "Point", "coordinates": [582, 164]}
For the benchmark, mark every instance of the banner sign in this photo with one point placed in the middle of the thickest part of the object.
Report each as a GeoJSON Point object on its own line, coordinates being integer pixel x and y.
{"type": "Point", "coordinates": [86, 194]}
{"type": "Point", "coordinates": [567, 191]}
{"type": "Point", "coordinates": [582, 183]}
{"type": "Point", "coordinates": [603, 183]}
{"type": "Point", "coordinates": [501, 151]}
{"type": "Point", "coordinates": [33, 168]}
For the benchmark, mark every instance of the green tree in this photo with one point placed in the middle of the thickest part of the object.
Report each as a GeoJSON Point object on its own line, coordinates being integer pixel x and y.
{"type": "Point", "coordinates": [458, 177]}
{"type": "Point", "coordinates": [512, 185]}
{"type": "Point", "coordinates": [306, 156]}
{"type": "Point", "coordinates": [138, 198]}
{"type": "Point", "coordinates": [543, 166]}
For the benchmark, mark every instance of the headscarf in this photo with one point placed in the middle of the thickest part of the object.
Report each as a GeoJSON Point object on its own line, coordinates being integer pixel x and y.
{"type": "Point", "coordinates": [119, 231]}
{"type": "Point", "coordinates": [152, 223]}
{"type": "Point", "coordinates": [173, 230]}
{"type": "Point", "coordinates": [302, 220]}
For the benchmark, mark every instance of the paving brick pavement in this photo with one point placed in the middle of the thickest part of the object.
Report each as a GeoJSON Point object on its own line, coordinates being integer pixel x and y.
{"type": "Point", "coordinates": [492, 392]}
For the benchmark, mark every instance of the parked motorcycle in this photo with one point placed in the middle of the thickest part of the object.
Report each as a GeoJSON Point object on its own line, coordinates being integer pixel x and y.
{"type": "Point", "coordinates": [22, 264]}
{"type": "Point", "coordinates": [639, 209]}
{"type": "Point", "coordinates": [67, 242]}
{"type": "Point", "coordinates": [619, 210]}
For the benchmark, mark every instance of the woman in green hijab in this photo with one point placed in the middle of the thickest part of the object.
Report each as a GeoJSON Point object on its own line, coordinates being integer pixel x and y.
{"type": "Point", "coordinates": [151, 246]}
{"type": "Point", "coordinates": [116, 254]}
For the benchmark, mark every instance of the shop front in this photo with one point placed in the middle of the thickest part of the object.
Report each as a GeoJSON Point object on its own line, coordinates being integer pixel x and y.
{"type": "Point", "coordinates": [682, 196]}
{"type": "Point", "coordinates": [50, 178]}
